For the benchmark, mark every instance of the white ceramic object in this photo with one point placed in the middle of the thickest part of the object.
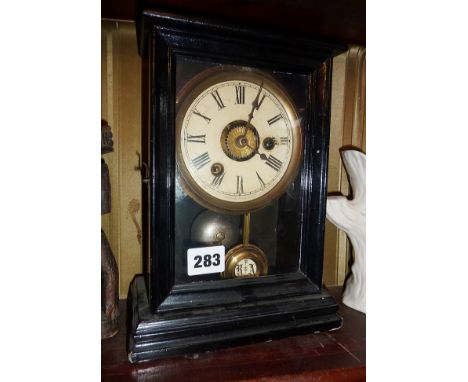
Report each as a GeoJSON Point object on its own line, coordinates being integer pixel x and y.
{"type": "Point", "coordinates": [350, 216]}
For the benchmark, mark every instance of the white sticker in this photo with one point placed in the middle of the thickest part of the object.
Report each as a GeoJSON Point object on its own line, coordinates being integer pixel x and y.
{"type": "Point", "coordinates": [204, 260]}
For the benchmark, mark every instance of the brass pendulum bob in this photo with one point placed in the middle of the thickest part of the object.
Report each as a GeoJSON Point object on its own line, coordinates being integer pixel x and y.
{"type": "Point", "coordinates": [245, 260]}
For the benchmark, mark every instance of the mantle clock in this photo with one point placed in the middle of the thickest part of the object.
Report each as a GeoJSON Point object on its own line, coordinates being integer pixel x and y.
{"type": "Point", "coordinates": [235, 147]}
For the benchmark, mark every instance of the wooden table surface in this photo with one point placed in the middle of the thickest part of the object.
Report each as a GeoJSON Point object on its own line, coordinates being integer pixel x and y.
{"type": "Point", "coordinates": [331, 356]}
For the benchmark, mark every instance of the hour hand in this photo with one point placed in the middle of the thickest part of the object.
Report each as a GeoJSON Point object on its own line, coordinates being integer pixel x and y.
{"type": "Point", "coordinates": [262, 156]}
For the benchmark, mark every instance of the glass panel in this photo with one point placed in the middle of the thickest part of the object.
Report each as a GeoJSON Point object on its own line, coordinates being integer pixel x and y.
{"type": "Point", "coordinates": [237, 179]}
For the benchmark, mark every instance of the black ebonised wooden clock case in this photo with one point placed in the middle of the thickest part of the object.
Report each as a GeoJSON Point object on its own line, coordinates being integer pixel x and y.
{"type": "Point", "coordinates": [236, 145]}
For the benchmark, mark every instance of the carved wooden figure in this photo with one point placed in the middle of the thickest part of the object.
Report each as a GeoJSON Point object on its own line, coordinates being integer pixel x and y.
{"type": "Point", "coordinates": [109, 270]}
{"type": "Point", "coordinates": [350, 216]}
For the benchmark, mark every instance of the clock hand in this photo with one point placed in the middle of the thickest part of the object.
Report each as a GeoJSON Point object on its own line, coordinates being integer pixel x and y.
{"type": "Point", "coordinates": [254, 106]}
{"type": "Point", "coordinates": [262, 156]}
{"type": "Point", "coordinates": [255, 102]}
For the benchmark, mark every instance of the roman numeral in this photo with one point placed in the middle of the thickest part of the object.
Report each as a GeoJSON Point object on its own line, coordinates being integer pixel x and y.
{"type": "Point", "coordinates": [262, 183]}
{"type": "Point", "coordinates": [274, 163]}
{"type": "Point", "coordinates": [201, 160]}
{"type": "Point", "coordinates": [203, 116]}
{"type": "Point", "coordinates": [276, 118]}
{"type": "Point", "coordinates": [240, 94]}
{"type": "Point", "coordinates": [217, 180]}
{"type": "Point", "coordinates": [240, 185]}
{"type": "Point", "coordinates": [196, 138]}
{"type": "Point", "coordinates": [218, 99]}
{"type": "Point", "coordinates": [284, 140]}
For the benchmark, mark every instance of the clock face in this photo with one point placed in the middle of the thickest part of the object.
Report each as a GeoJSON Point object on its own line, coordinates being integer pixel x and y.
{"type": "Point", "coordinates": [239, 141]}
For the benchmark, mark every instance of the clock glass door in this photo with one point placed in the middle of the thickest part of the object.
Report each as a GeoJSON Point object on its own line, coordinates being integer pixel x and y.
{"type": "Point", "coordinates": [239, 151]}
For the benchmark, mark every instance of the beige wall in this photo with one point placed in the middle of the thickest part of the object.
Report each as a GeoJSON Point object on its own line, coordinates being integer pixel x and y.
{"type": "Point", "coordinates": [348, 128]}
{"type": "Point", "coordinates": [121, 106]}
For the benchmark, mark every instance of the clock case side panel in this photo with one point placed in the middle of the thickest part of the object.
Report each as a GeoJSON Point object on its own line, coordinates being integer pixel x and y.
{"type": "Point", "coordinates": [314, 173]}
{"type": "Point", "coordinates": [161, 135]}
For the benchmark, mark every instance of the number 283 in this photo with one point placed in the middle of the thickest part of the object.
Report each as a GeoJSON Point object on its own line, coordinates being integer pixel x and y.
{"type": "Point", "coordinates": [207, 260]}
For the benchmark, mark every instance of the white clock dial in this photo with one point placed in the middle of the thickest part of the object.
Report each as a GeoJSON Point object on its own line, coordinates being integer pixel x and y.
{"type": "Point", "coordinates": [238, 140]}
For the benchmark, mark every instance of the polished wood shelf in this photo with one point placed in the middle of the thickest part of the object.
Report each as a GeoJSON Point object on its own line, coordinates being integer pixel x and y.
{"type": "Point", "coordinates": [332, 356]}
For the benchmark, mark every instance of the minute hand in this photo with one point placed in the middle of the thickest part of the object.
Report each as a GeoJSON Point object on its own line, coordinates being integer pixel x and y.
{"type": "Point", "coordinates": [254, 106]}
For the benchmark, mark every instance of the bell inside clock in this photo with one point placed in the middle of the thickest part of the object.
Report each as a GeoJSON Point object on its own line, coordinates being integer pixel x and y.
{"type": "Point", "coordinates": [211, 228]}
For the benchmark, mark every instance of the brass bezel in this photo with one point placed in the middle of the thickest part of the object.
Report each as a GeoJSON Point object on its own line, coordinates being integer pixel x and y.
{"type": "Point", "coordinates": [245, 251]}
{"type": "Point", "coordinates": [185, 98]}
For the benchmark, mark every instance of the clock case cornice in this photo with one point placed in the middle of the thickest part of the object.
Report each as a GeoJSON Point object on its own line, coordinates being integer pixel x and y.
{"type": "Point", "coordinates": [281, 51]}
{"type": "Point", "coordinates": [266, 307]}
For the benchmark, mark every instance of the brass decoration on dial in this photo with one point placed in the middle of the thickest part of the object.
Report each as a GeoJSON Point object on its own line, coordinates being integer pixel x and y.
{"type": "Point", "coordinates": [239, 142]}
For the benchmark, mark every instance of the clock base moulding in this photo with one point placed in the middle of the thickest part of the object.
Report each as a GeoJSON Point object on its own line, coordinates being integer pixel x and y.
{"type": "Point", "coordinates": [205, 328]}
